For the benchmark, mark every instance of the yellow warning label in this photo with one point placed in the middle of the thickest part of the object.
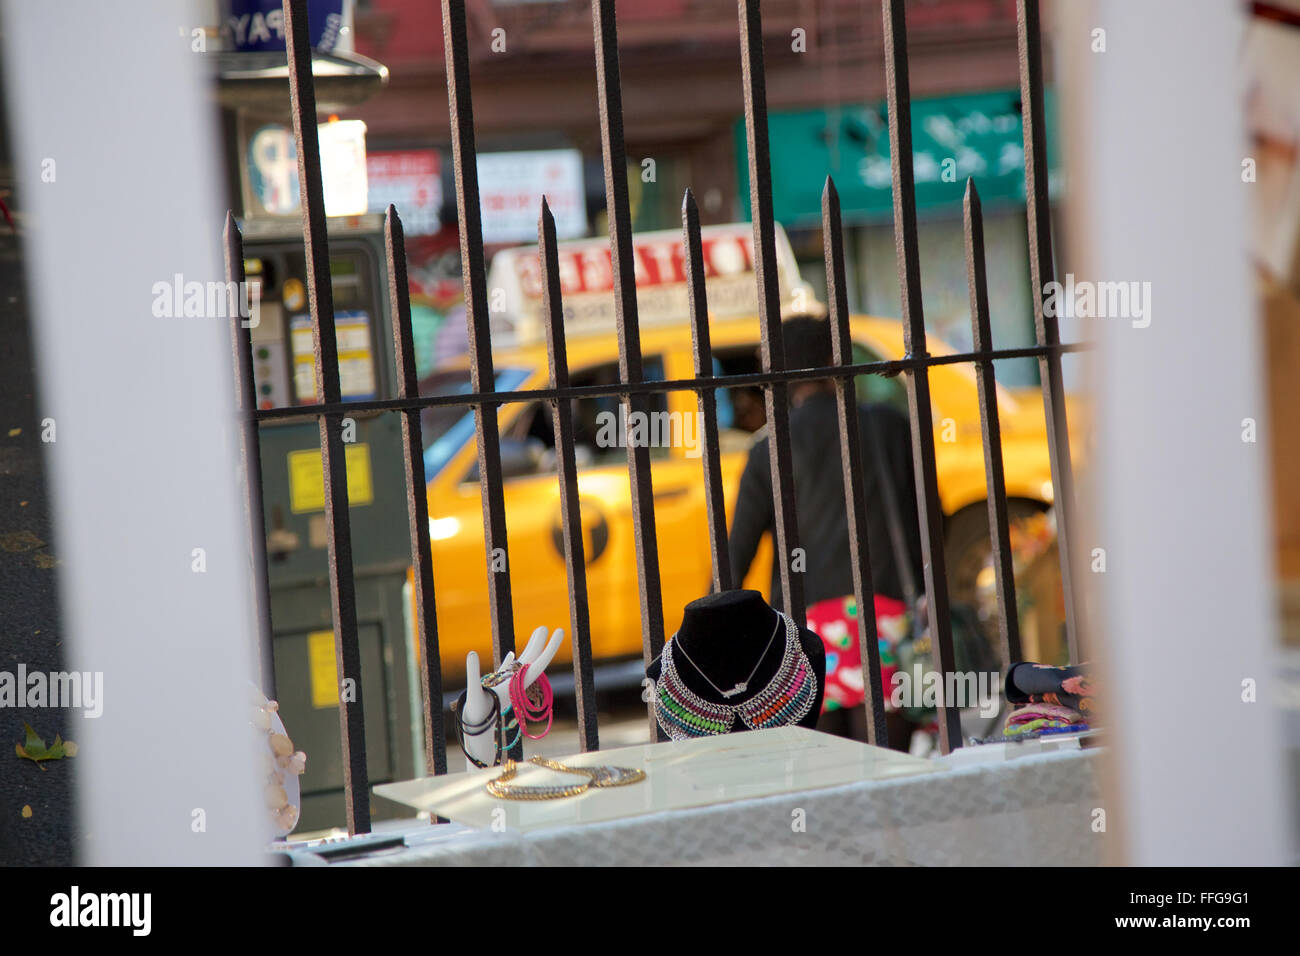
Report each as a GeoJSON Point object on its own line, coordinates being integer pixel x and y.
{"type": "Point", "coordinates": [323, 668]}
{"type": "Point", "coordinates": [307, 481]}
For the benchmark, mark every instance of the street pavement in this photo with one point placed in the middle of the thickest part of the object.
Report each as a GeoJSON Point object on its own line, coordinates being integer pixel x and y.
{"type": "Point", "coordinates": [36, 802]}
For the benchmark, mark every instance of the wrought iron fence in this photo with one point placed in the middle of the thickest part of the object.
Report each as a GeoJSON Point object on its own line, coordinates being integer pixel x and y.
{"type": "Point", "coordinates": [635, 391]}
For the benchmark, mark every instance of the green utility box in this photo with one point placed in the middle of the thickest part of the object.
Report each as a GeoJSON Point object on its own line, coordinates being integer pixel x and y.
{"type": "Point", "coordinates": [294, 508]}
{"type": "Point", "coordinates": [263, 189]}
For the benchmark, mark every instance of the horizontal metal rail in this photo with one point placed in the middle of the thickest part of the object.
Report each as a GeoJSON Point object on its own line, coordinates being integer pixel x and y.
{"type": "Point", "coordinates": [469, 400]}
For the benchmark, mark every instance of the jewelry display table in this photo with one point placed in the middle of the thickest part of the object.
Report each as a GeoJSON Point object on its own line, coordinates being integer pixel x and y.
{"type": "Point", "coordinates": [787, 797]}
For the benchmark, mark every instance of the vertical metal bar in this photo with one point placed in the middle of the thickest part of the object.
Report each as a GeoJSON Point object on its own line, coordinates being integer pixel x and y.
{"type": "Point", "coordinates": [917, 380]}
{"type": "Point", "coordinates": [629, 335]}
{"type": "Point", "coordinates": [708, 400]}
{"type": "Point", "coordinates": [1046, 328]}
{"type": "Point", "coordinates": [990, 428]}
{"type": "Point", "coordinates": [250, 454]}
{"type": "Point", "coordinates": [769, 305]}
{"type": "Point", "coordinates": [584, 680]}
{"type": "Point", "coordinates": [417, 496]}
{"type": "Point", "coordinates": [338, 529]}
{"type": "Point", "coordinates": [482, 378]}
{"type": "Point", "coordinates": [855, 489]}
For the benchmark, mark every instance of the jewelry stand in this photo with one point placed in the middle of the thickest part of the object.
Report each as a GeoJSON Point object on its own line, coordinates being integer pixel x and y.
{"type": "Point", "coordinates": [537, 654]}
{"type": "Point", "coordinates": [729, 650]}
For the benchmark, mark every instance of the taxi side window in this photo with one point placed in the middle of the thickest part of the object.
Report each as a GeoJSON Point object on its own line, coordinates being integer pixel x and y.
{"type": "Point", "coordinates": [739, 407]}
{"type": "Point", "coordinates": [876, 389]}
{"type": "Point", "coordinates": [742, 407]}
{"type": "Point", "coordinates": [597, 441]}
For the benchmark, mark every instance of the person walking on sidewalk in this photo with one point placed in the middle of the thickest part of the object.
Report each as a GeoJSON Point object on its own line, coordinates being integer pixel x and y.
{"type": "Point", "coordinates": [823, 525]}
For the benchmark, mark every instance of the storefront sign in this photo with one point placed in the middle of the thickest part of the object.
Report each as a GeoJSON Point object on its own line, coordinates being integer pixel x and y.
{"type": "Point", "coordinates": [975, 134]}
{"type": "Point", "coordinates": [343, 166]}
{"type": "Point", "coordinates": [256, 25]}
{"type": "Point", "coordinates": [511, 186]}
{"type": "Point", "coordinates": [410, 180]}
{"type": "Point", "coordinates": [273, 168]}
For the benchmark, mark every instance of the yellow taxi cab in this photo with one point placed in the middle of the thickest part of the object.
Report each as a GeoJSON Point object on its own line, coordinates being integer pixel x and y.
{"type": "Point", "coordinates": [536, 555]}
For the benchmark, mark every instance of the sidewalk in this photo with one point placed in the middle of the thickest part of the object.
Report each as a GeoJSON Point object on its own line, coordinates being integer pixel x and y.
{"type": "Point", "coordinates": [29, 618]}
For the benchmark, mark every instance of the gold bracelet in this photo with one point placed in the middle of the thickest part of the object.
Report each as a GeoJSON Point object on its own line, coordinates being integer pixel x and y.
{"type": "Point", "coordinates": [602, 775]}
{"type": "Point", "coordinates": [500, 676]}
{"type": "Point", "coordinates": [498, 787]}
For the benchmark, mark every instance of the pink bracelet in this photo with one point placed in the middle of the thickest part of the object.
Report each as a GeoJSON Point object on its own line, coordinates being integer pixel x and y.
{"type": "Point", "coordinates": [524, 707]}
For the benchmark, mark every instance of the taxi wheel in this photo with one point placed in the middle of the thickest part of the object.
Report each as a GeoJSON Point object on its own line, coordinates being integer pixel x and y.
{"type": "Point", "coordinates": [968, 553]}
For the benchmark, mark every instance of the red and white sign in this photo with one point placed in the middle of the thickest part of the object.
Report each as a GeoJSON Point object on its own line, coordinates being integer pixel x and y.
{"type": "Point", "coordinates": [587, 280]}
{"type": "Point", "coordinates": [659, 260]}
{"type": "Point", "coordinates": [411, 180]}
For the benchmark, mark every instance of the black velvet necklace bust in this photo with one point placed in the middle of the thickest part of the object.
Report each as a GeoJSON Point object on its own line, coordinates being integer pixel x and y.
{"type": "Point", "coordinates": [723, 635]}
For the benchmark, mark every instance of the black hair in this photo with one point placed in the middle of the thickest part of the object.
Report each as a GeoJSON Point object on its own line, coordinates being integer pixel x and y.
{"type": "Point", "coordinates": [807, 342]}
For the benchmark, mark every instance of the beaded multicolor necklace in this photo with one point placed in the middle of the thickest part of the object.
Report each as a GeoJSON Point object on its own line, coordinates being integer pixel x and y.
{"type": "Point", "coordinates": [787, 698]}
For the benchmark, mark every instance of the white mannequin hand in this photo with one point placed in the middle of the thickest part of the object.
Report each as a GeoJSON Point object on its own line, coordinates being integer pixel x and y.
{"type": "Point", "coordinates": [535, 642]}
{"type": "Point", "coordinates": [537, 654]}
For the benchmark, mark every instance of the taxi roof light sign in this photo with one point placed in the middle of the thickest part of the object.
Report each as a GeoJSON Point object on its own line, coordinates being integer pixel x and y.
{"type": "Point", "coordinates": [587, 282]}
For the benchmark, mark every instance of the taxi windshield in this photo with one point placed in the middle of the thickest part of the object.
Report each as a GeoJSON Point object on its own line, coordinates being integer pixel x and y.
{"type": "Point", "coordinates": [445, 428]}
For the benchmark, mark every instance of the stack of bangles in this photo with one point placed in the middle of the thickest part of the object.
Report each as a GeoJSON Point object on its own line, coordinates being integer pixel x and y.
{"type": "Point", "coordinates": [532, 703]}
{"type": "Point", "coordinates": [466, 728]}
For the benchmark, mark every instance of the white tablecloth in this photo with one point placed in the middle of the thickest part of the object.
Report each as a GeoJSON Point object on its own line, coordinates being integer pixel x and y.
{"type": "Point", "coordinates": [1030, 810]}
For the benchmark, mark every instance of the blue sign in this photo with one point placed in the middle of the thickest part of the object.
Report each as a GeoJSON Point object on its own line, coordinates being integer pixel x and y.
{"type": "Point", "coordinates": [256, 25]}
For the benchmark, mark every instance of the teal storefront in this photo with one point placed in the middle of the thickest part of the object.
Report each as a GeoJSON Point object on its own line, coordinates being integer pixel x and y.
{"type": "Point", "coordinates": [953, 137]}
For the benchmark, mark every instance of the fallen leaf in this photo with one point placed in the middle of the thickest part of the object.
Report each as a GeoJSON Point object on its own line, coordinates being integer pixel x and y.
{"type": "Point", "coordinates": [43, 560]}
{"type": "Point", "coordinates": [34, 748]}
{"type": "Point", "coordinates": [69, 748]}
{"type": "Point", "coordinates": [14, 432]}
{"type": "Point", "coordinates": [27, 813]}
{"type": "Point", "coordinates": [15, 541]}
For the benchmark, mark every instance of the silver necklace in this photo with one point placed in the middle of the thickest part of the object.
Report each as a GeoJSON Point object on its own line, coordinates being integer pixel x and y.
{"type": "Point", "coordinates": [743, 685]}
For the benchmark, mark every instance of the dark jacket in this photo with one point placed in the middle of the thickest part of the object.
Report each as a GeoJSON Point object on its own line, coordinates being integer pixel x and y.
{"type": "Point", "coordinates": [819, 501]}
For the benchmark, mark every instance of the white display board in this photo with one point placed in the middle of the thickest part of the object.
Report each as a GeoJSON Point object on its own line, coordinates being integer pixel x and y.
{"type": "Point", "coordinates": [679, 775]}
{"type": "Point", "coordinates": [511, 186]}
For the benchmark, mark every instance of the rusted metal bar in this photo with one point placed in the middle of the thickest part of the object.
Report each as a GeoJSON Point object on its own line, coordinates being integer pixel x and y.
{"type": "Point", "coordinates": [575, 567]}
{"type": "Point", "coordinates": [918, 380]}
{"type": "Point", "coordinates": [707, 397]}
{"type": "Point", "coordinates": [338, 529]}
{"type": "Point", "coordinates": [470, 399]}
{"type": "Point", "coordinates": [417, 497]}
{"type": "Point", "coordinates": [1046, 327]}
{"type": "Point", "coordinates": [610, 97]}
{"type": "Point", "coordinates": [855, 488]}
{"type": "Point", "coordinates": [482, 378]}
{"type": "Point", "coordinates": [990, 429]}
{"type": "Point", "coordinates": [772, 346]}
{"type": "Point", "coordinates": [250, 454]}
